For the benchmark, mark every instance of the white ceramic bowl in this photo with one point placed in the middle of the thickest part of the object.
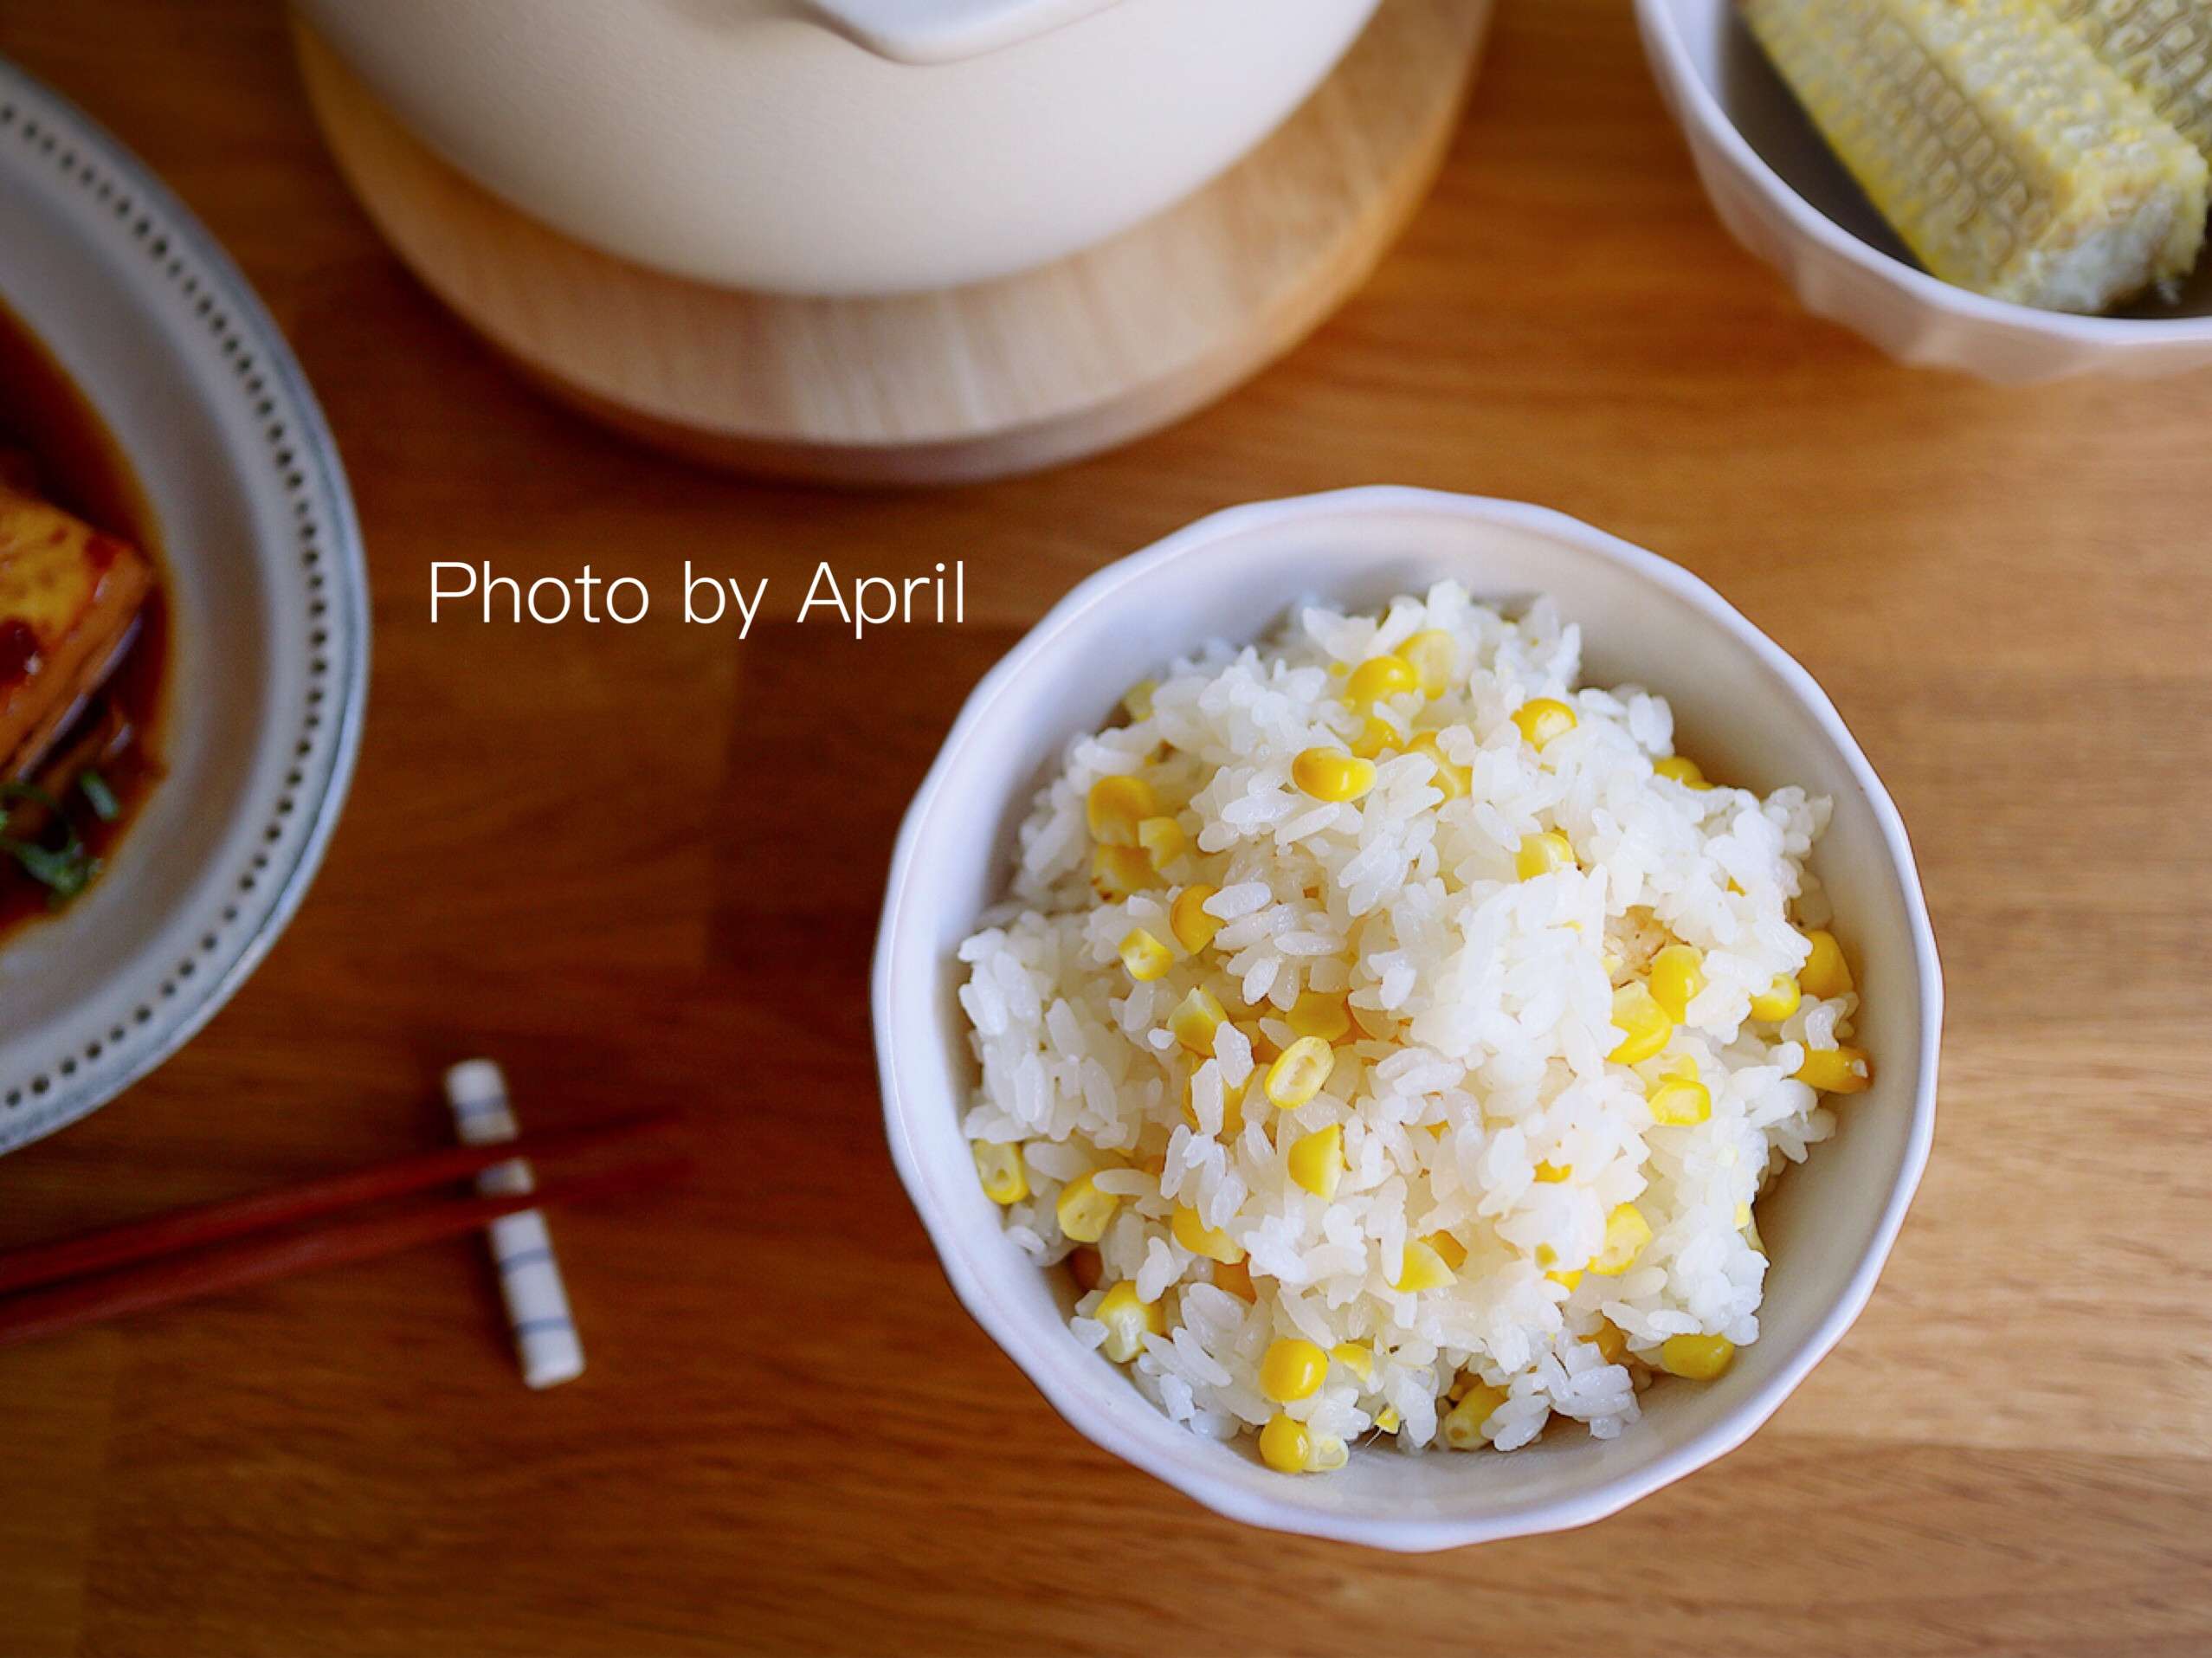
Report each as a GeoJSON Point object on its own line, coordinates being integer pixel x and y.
{"type": "Point", "coordinates": [841, 146]}
{"type": "Point", "coordinates": [1750, 713]}
{"type": "Point", "coordinates": [1784, 196]}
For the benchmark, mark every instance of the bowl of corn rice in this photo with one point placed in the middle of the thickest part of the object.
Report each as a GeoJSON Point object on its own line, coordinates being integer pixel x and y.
{"type": "Point", "coordinates": [1937, 175]}
{"type": "Point", "coordinates": [1408, 1017]}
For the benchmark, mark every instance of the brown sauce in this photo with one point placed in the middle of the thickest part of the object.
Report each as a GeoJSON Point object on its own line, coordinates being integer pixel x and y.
{"type": "Point", "coordinates": [80, 467]}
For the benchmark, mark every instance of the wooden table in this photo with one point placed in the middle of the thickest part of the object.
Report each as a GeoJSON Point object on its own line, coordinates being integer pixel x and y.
{"type": "Point", "coordinates": [643, 865]}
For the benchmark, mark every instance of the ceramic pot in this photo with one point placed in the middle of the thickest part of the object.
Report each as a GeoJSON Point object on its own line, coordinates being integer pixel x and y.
{"type": "Point", "coordinates": [840, 147]}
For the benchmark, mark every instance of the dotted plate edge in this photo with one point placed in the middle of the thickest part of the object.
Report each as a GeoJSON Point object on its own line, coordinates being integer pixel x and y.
{"type": "Point", "coordinates": [86, 1071]}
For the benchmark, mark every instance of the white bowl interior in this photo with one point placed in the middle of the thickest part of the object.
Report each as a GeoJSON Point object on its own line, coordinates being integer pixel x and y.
{"type": "Point", "coordinates": [1233, 577]}
{"type": "Point", "coordinates": [1727, 60]}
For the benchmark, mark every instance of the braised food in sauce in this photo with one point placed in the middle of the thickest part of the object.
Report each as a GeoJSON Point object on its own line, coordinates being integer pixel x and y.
{"type": "Point", "coordinates": [82, 637]}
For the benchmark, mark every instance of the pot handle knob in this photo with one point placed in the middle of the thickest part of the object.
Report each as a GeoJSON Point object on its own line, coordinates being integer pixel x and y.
{"type": "Point", "coordinates": [944, 31]}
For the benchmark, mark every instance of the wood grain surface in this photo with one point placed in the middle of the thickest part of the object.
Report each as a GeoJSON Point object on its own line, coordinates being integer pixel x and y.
{"type": "Point", "coordinates": [641, 866]}
{"type": "Point", "coordinates": [985, 381]}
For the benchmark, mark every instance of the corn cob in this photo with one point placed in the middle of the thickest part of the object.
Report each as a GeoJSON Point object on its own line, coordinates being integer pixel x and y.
{"type": "Point", "coordinates": [2161, 47]}
{"type": "Point", "coordinates": [2008, 158]}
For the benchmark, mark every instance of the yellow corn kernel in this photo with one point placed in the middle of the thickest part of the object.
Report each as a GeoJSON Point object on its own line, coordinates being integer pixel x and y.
{"type": "Point", "coordinates": [1462, 1424]}
{"type": "Point", "coordinates": [1114, 808]}
{"type": "Point", "coordinates": [1699, 1358]}
{"type": "Point", "coordinates": [1232, 1109]}
{"type": "Point", "coordinates": [1127, 1319]}
{"type": "Point", "coordinates": [1317, 1161]}
{"type": "Point", "coordinates": [1137, 699]}
{"type": "Point", "coordinates": [1163, 839]}
{"type": "Point", "coordinates": [1449, 1249]}
{"type": "Point", "coordinates": [1118, 871]}
{"type": "Point", "coordinates": [1386, 1419]}
{"type": "Point", "coordinates": [1540, 855]}
{"type": "Point", "coordinates": [1145, 956]}
{"type": "Point", "coordinates": [1084, 1211]}
{"type": "Point", "coordinates": [1680, 1101]}
{"type": "Point", "coordinates": [1088, 1268]}
{"type": "Point", "coordinates": [1550, 1174]}
{"type": "Point", "coordinates": [1196, 1018]}
{"type": "Point", "coordinates": [1211, 1241]}
{"type": "Point", "coordinates": [1187, 918]}
{"type": "Point", "coordinates": [1293, 1369]}
{"type": "Point", "coordinates": [1320, 1013]}
{"type": "Point", "coordinates": [1434, 655]}
{"type": "Point", "coordinates": [1611, 1342]}
{"type": "Point", "coordinates": [1452, 782]}
{"type": "Point", "coordinates": [1375, 736]}
{"type": "Point", "coordinates": [1329, 1454]}
{"type": "Point", "coordinates": [1778, 1001]}
{"type": "Point", "coordinates": [1542, 718]}
{"type": "Point", "coordinates": [1643, 1023]}
{"type": "Point", "coordinates": [1423, 1268]}
{"type": "Point", "coordinates": [1825, 973]}
{"type": "Point", "coordinates": [1677, 977]}
{"type": "Point", "coordinates": [1005, 1177]}
{"type": "Point", "coordinates": [1299, 1072]}
{"type": "Point", "coordinates": [1330, 774]}
{"type": "Point", "coordinates": [1626, 1234]}
{"type": "Point", "coordinates": [1379, 677]}
{"type": "Point", "coordinates": [1682, 769]}
{"type": "Point", "coordinates": [1359, 1360]}
{"type": "Point", "coordinates": [1285, 1444]}
{"type": "Point", "coordinates": [1235, 1277]}
{"type": "Point", "coordinates": [1751, 1232]}
{"type": "Point", "coordinates": [1836, 1070]}
{"type": "Point", "coordinates": [1566, 1281]}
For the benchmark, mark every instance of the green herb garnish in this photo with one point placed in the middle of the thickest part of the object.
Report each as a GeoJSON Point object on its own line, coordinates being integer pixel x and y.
{"type": "Point", "coordinates": [99, 796]}
{"type": "Point", "coordinates": [65, 870]}
{"type": "Point", "coordinates": [29, 791]}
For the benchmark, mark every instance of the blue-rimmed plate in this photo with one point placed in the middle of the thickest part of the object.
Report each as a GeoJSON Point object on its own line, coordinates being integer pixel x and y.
{"type": "Point", "coordinates": [268, 613]}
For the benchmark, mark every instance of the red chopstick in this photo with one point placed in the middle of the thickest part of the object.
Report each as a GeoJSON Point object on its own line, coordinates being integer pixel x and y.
{"type": "Point", "coordinates": [150, 1283]}
{"type": "Point", "coordinates": [189, 1229]}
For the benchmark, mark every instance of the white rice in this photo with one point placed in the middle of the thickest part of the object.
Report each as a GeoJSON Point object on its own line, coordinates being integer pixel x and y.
{"type": "Point", "coordinates": [1482, 1003]}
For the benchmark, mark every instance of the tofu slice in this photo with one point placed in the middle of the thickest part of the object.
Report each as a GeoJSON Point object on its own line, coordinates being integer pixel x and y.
{"type": "Point", "coordinates": [69, 595]}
